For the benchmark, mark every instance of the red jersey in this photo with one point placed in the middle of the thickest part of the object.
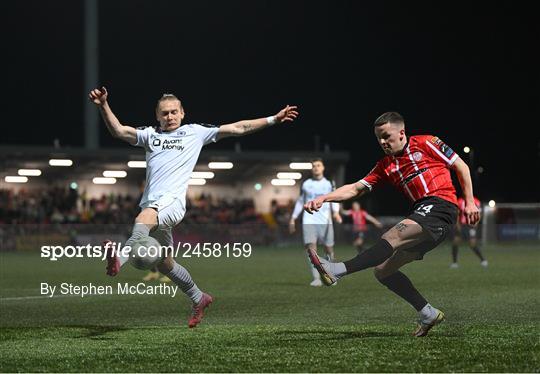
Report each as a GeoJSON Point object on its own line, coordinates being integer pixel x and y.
{"type": "Point", "coordinates": [461, 206]}
{"type": "Point", "coordinates": [420, 170]}
{"type": "Point", "coordinates": [359, 219]}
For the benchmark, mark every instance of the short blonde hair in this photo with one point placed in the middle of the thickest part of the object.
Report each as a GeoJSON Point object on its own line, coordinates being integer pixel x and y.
{"type": "Point", "coordinates": [167, 96]}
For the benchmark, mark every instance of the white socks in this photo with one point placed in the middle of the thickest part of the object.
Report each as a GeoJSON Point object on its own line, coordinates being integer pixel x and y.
{"type": "Point", "coordinates": [181, 277]}
{"type": "Point", "coordinates": [336, 268]}
{"type": "Point", "coordinates": [140, 230]}
{"type": "Point", "coordinates": [428, 313]}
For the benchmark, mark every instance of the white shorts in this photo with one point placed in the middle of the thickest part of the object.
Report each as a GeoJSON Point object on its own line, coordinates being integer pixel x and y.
{"type": "Point", "coordinates": [318, 233]}
{"type": "Point", "coordinates": [170, 211]}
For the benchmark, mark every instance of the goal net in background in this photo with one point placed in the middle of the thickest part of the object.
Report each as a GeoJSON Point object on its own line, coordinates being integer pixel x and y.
{"type": "Point", "coordinates": [511, 222]}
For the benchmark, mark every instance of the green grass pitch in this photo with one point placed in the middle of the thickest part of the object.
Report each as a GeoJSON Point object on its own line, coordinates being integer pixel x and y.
{"type": "Point", "coordinates": [267, 318]}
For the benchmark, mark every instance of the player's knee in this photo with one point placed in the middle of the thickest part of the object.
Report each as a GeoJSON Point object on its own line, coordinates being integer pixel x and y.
{"type": "Point", "coordinates": [391, 237]}
{"type": "Point", "coordinates": [147, 216]}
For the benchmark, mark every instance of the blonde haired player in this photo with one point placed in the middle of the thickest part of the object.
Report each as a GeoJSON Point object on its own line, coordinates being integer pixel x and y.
{"type": "Point", "coordinates": [172, 150]}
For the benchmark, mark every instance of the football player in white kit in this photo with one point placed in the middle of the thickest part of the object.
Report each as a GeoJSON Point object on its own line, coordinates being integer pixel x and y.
{"type": "Point", "coordinates": [172, 151]}
{"type": "Point", "coordinates": [318, 227]}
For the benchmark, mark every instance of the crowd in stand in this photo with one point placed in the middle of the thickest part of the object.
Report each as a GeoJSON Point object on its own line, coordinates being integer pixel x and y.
{"type": "Point", "coordinates": [66, 205]}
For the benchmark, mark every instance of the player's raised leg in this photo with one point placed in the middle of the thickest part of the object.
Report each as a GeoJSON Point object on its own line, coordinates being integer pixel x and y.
{"type": "Point", "coordinates": [144, 222]}
{"type": "Point", "coordinates": [373, 256]}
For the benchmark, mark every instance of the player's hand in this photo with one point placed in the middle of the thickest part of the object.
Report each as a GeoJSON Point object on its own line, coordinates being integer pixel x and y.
{"type": "Point", "coordinates": [314, 205]}
{"type": "Point", "coordinates": [338, 218]}
{"type": "Point", "coordinates": [289, 113]}
{"type": "Point", "coordinates": [98, 96]}
{"type": "Point", "coordinates": [472, 214]}
{"type": "Point", "coordinates": [379, 225]}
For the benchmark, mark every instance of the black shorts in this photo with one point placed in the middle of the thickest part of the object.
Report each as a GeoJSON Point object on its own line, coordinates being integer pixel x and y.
{"type": "Point", "coordinates": [437, 217]}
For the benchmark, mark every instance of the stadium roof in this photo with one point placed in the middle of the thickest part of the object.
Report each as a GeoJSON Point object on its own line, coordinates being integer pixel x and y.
{"type": "Point", "coordinates": [92, 163]}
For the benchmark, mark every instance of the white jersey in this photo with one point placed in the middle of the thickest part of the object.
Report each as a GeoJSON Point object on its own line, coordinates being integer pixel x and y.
{"type": "Point", "coordinates": [311, 189]}
{"type": "Point", "coordinates": [171, 158]}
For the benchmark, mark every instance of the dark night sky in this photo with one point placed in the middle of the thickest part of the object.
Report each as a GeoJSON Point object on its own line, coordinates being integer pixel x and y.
{"type": "Point", "coordinates": [463, 72]}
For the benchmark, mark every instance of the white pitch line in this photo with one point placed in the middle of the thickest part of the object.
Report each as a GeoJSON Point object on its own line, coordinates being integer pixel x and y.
{"type": "Point", "coordinates": [33, 297]}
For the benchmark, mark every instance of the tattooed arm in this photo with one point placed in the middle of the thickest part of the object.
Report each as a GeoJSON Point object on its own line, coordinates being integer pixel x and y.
{"type": "Point", "coordinates": [240, 128]}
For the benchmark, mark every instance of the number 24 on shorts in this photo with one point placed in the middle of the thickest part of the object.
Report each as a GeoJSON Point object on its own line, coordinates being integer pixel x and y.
{"type": "Point", "coordinates": [425, 208]}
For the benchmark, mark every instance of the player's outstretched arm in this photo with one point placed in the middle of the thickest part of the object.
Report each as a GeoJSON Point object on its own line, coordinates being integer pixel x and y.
{"type": "Point", "coordinates": [240, 128]}
{"type": "Point", "coordinates": [373, 220]}
{"type": "Point", "coordinates": [343, 193]}
{"type": "Point", "coordinates": [464, 175]}
{"type": "Point", "coordinates": [125, 133]}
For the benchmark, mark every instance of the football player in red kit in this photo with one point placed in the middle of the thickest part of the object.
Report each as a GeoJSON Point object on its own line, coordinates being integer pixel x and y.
{"type": "Point", "coordinates": [360, 217]}
{"type": "Point", "coordinates": [419, 166]}
{"type": "Point", "coordinates": [467, 232]}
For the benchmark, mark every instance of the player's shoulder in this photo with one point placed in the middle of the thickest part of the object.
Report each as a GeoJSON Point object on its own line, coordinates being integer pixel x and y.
{"type": "Point", "coordinates": [306, 182]}
{"type": "Point", "coordinates": [146, 128]}
{"type": "Point", "coordinates": [199, 126]}
{"type": "Point", "coordinates": [422, 139]}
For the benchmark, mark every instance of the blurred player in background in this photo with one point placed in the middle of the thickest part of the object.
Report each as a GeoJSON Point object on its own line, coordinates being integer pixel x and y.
{"type": "Point", "coordinates": [154, 274]}
{"type": "Point", "coordinates": [467, 232]}
{"type": "Point", "coordinates": [419, 167]}
{"type": "Point", "coordinates": [360, 217]}
{"type": "Point", "coordinates": [172, 151]}
{"type": "Point", "coordinates": [316, 228]}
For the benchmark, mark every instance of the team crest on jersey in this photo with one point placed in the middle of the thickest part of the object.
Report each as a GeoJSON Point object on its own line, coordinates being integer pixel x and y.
{"type": "Point", "coordinates": [178, 134]}
{"type": "Point", "coordinates": [417, 156]}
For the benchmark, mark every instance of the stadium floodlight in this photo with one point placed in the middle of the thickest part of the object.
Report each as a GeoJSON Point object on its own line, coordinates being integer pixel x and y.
{"type": "Point", "coordinates": [466, 149]}
{"type": "Point", "coordinates": [197, 181]}
{"type": "Point", "coordinates": [115, 173]}
{"type": "Point", "coordinates": [283, 182]}
{"type": "Point", "coordinates": [29, 172]}
{"type": "Point", "coordinates": [286, 175]}
{"type": "Point", "coordinates": [492, 203]}
{"type": "Point", "coordinates": [103, 180]}
{"type": "Point", "coordinates": [300, 165]}
{"type": "Point", "coordinates": [202, 174]}
{"type": "Point", "coordinates": [60, 162]}
{"type": "Point", "coordinates": [15, 179]}
{"type": "Point", "coordinates": [220, 165]}
{"type": "Point", "coordinates": [137, 164]}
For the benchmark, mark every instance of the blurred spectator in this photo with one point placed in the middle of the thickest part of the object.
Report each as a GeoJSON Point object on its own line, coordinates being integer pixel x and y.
{"type": "Point", "coordinates": [66, 205]}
